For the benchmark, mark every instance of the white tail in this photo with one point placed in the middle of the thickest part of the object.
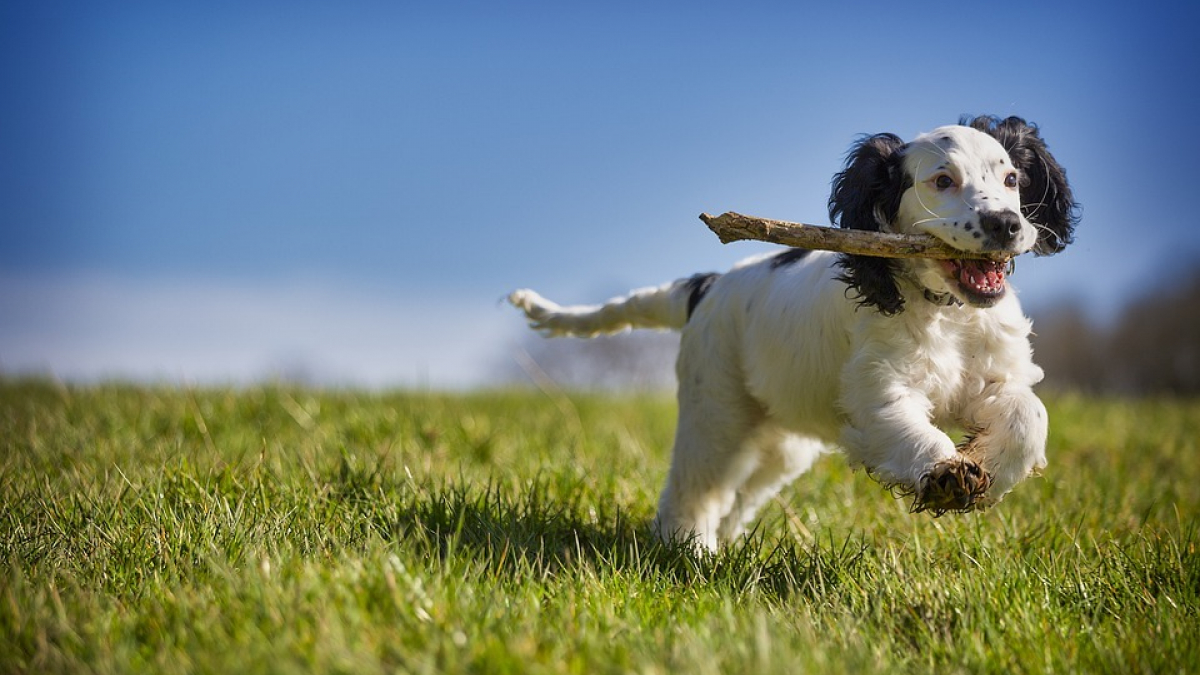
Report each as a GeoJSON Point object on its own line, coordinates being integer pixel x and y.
{"type": "Point", "coordinates": [665, 307]}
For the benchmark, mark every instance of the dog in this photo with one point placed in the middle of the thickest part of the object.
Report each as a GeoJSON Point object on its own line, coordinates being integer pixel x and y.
{"type": "Point", "coordinates": [797, 352]}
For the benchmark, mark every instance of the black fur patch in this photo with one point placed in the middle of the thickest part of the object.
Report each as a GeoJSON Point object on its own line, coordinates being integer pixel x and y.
{"type": "Point", "coordinates": [698, 286]}
{"type": "Point", "coordinates": [787, 257]}
{"type": "Point", "coordinates": [866, 195]}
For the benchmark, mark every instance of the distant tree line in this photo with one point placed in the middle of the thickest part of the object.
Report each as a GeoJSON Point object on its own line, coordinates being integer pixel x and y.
{"type": "Point", "coordinates": [638, 361]}
{"type": "Point", "coordinates": [1152, 347]}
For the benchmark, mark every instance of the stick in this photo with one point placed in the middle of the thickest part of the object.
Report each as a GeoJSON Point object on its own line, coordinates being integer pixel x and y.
{"type": "Point", "coordinates": [735, 226]}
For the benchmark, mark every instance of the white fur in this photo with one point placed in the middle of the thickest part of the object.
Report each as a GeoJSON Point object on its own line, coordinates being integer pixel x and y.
{"type": "Point", "coordinates": [778, 363]}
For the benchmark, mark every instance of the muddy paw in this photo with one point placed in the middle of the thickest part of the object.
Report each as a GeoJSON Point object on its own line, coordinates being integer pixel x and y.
{"type": "Point", "coordinates": [954, 485]}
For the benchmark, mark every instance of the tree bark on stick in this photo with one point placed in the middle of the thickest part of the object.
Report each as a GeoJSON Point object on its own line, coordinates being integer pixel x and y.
{"type": "Point", "coordinates": [735, 226]}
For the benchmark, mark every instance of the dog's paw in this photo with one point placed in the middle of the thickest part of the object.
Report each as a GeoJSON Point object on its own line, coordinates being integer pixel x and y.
{"type": "Point", "coordinates": [954, 485]}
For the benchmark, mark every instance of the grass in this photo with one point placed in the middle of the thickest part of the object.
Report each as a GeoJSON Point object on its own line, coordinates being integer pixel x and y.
{"type": "Point", "coordinates": [286, 530]}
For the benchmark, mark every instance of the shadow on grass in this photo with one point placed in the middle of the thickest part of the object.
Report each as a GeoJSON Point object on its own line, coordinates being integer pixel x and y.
{"type": "Point", "coordinates": [528, 533]}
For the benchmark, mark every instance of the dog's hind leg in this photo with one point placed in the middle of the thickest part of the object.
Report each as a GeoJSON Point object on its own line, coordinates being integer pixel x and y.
{"type": "Point", "coordinates": [714, 452]}
{"type": "Point", "coordinates": [781, 458]}
{"type": "Point", "coordinates": [708, 464]}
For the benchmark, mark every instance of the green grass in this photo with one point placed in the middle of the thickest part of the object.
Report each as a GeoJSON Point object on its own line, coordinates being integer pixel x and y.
{"type": "Point", "coordinates": [284, 530]}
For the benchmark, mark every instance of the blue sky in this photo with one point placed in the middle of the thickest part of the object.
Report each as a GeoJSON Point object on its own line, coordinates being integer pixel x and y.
{"type": "Point", "coordinates": [208, 192]}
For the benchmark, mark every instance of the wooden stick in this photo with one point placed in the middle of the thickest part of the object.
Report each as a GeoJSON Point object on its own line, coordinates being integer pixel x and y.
{"type": "Point", "coordinates": [735, 226]}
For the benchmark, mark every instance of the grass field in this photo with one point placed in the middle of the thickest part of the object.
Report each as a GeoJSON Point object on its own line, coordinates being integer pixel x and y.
{"type": "Point", "coordinates": [286, 530]}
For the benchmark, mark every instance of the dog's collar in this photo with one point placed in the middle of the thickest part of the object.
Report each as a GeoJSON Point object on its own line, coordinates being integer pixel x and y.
{"type": "Point", "coordinates": [942, 299]}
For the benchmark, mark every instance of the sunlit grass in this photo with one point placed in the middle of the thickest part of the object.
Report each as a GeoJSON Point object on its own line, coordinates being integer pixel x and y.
{"type": "Point", "coordinates": [285, 530]}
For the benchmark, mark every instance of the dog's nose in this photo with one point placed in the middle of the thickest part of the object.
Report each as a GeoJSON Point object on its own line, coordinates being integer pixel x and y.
{"type": "Point", "coordinates": [1001, 226]}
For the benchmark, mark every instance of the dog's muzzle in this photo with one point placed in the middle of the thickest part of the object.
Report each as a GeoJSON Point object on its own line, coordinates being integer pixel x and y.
{"type": "Point", "coordinates": [1000, 227]}
{"type": "Point", "coordinates": [980, 281]}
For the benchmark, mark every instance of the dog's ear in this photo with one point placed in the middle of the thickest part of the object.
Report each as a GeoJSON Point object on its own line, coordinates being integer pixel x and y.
{"type": "Point", "coordinates": [1046, 199]}
{"type": "Point", "coordinates": [866, 196]}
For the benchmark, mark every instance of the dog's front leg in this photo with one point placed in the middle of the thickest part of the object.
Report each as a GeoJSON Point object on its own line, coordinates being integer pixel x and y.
{"type": "Point", "coordinates": [899, 446]}
{"type": "Point", "coordinates": [890, 431]}
{"type": "Point", "coordinates": [1009, 425]}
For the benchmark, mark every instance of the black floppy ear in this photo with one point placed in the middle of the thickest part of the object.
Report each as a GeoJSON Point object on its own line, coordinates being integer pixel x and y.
{"type": "Point", "coordinates": [1046, 199]}
{"type": "Point", "coordinates": [866, 196]}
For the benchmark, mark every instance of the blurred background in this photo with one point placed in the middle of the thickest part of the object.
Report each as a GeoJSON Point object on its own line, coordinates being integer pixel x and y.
{"type": "Point", "coordinates": [342, 193]}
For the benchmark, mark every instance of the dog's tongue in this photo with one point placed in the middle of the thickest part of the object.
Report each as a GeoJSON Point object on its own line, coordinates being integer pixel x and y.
{"type": "Point", "coordinates": [982, 276]}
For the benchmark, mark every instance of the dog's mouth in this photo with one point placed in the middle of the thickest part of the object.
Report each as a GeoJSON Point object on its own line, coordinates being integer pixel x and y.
{"type": "Point", "coordinates": [981, 281]}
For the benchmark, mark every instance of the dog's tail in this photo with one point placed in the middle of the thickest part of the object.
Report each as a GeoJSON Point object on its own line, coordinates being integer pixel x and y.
{"type": "Point", "coordinates": [666, 307]}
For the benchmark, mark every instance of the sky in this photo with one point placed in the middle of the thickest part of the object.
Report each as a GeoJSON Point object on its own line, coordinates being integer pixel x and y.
{"type": "Point", "coordinates": [221, 192]}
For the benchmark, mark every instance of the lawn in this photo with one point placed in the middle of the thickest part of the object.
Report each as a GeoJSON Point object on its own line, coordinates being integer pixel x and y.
{"type": "Point", "coordinates": [277, 529]}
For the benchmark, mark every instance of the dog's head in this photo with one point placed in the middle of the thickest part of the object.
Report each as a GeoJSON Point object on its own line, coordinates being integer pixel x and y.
{"type": "Point", "coordinates": [986, 184]}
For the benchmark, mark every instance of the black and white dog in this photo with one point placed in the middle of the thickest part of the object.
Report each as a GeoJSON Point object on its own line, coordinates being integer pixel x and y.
{"type": "Point", "coordinates": [795, 352]}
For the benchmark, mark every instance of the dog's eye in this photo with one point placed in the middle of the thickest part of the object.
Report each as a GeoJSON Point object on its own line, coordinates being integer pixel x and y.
{"type": "Point", "coordinates": [943, 182]}
{"type": "Point", "coordinates": [1010, 181]}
